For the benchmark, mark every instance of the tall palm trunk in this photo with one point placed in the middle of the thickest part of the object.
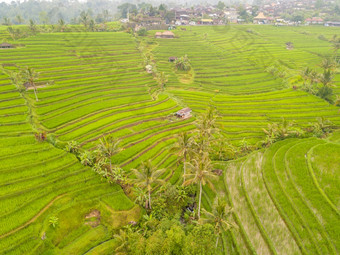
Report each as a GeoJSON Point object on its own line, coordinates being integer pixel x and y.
{"type": "Point", "coordinates": [35, 91]}
{"type": "Point", "coordinates": [149, 199]}
{"type": "Point", "coordinates": [217, 241]}
{"type": "Point", "coordinates": [184, 160]}
{"type": "Point", "coordinates": [199, 201]}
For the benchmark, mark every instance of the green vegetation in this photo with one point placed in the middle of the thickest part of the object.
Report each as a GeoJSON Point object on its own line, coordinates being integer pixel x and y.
{"type": "Point", "coordinates": [98, 162]}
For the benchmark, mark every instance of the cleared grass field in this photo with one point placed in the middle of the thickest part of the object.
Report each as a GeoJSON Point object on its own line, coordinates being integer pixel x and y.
{"type": "Point", "coordinates": [285, 199]}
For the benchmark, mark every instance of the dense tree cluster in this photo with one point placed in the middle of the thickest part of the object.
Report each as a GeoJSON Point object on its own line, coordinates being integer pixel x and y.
{"type": "Point", "coordinates": [50, 12]}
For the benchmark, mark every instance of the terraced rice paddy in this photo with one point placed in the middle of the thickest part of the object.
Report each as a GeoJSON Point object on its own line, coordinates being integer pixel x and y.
{"type": "Point", "coordinates": [285, 199]}
{"type": "Point", "coordinates": [39, 181]}
{"type": "Point", "coordinates": [280, 204]}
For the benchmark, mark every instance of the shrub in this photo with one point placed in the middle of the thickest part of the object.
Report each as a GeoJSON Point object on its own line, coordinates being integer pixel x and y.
{"type": "Point", "coordinates": [183, 63]}
{"type": "Point", "coordinates": [142, 32]}
{"type": "Point", "coordinates": [326, 93]}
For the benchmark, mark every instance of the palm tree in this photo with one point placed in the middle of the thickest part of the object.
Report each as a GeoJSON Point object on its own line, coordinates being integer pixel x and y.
{"type": "Point", "coordinates": [7, 22]}
{"type": "Point", "coordinates": [86, 158]}
{"type": "Point", "coordinates": [336, 44]}
{"type": "Point", "coordinates": [219, 217]}
{"type": "Point", "coordinates": [15, 77]}
{"type": "Point", "coordinates": [328, 64]}
{"type": "Point", "coordinates": [92, 25]}
{"type": "Point", "coordinates": [337, 101]}
{"type": "Point", "coordinates": [123, 242]}
{"type": "Point", "coordinates": [141, 198]}
{"type": "Point", "coordinates": [19, 19]}
{"type": "Point", "coordinates": [327, 78]}
{"type": "Point", "coordinates": [32, 25]}
{"type": "Point", "coordinates": [310, 78]}
{"type": "Point", "coordinates": [305, 74]}
{"type": "Point", "coordinates": [201, 174]}
{"type": "Point", "coordinates": [162, 79]}
{"type": "Point", "coordinates": [206, 125]}
{"type": "Point", "coordinates": [323, 124]}
{"type": "Point", "coordinates": [183, 63]}
{"type": "Point", "coordinates": [31, 76]}
{"type": "Point", "coordinates": [106, 15]}
{"type": "Point", "coordinates": [184, 148]}
{"type": "Point", "coordinates": [326, 93]}
{"type": "Point", "coordinates": [72, 146]}
{"type": "Point", "coordinates": [224, 149]}
{"type": "Point", "coordinates": [85, 18]}
{"type": "Point", "coordinates": [108, 147]}
{"type": "Point", "coordinates": [146, 176]}
{"type": "Point", "coordinates": [61, 24]}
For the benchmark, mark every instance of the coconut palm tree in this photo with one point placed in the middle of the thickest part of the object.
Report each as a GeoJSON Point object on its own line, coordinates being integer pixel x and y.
{"type": "Point", "coordinates": [201, 174]}
{"type": "Point", "coordinates": [310, 78]}
{"type": "Point", "coordinates": [224, 149]}
{"type": "Point", "coordinates": [183, 148]}
{"type": "Point", "coordinates": [72, 146]}
{"type": "Point", "coordinates": [31, 76]}
{"type": "Point", "coordinates": [206, 128]}
{"type": "Point", "coordinates": [326, 93]}
{"type": "Point", "coordinates": [85, 18]}
{"type": "Point", "coordinates": [19, 19]}
{"type": "Point", "coordinates": [327, 78]}
{"type": "Point", "coordinates": [206, 123]}
{"type": "Point", "coordinates": [336, 43]}
{"type": "Point", "coordinates": [32, 26]}
{"type": "Point", "coordinates": [61, 24]}
{"type": "Point", "coordinates": [92, 25]}
{"type": "Point", "coordinates": [15, 77]}
{"type": "Point", "coordinates": [146, 176]}
{"type": "Point", "coordinates": [86, 158]}
{"type": "Point", "coordinates": [183, 63]}
{"type": "Point", "coordinates": [123, 242]}
{"type": "Point", "coordinates": [218, 217]}
{"type": "Point", "coordinates": [162, 79]}
{"type": "Point", "coordinates": [7, 21]}
{"type": "Point", "coordinates": [108, 146]}
{"type": "Point", "coordinates": [328, 63]}
{"type": "Point", "coordinates": [337, 101]}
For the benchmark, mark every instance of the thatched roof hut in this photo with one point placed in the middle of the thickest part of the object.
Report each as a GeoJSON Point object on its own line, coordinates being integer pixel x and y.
{"type": "Point", "coordinates": [6, 46]}
{"type": "Point", "coordinates": [165, 34]}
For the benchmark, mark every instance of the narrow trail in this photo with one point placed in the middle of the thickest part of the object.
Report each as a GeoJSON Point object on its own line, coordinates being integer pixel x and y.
{"type": "Point", "coordinates": [33, 219]}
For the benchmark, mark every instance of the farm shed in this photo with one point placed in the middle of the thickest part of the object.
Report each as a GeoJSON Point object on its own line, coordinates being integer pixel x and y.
{"type": "Point", "coordinates": [207, 21]}
{"type": "Point", "coordinates": [6, 46]}
{"type": "Point", "coordinates": [184, 113]}
{"type": "Point", "coordinates": [166, 35]}
{"type": "Point", "coordinates": [172, 59]}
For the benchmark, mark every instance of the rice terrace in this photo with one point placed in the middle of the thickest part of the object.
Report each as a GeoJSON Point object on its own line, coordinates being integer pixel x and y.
{"type": "Point", "coordinates": [196, 138]}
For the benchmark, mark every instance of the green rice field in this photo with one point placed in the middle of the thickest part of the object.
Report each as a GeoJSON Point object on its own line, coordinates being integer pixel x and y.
{"type": "Point", "coordinates": [285, 198]}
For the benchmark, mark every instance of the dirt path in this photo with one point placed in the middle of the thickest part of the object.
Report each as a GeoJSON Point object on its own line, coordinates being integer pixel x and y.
{"type": "Point", "coordinates": [33, 219]}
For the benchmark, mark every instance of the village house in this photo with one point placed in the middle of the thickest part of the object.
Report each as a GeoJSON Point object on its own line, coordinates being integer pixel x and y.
{"type": "Point", "coordinates": [260, 19]}
{"type": "Point", "coordinates": [314, 21]}
{"type": "Point", "coordinates": [332, 24]}
{"type": "Point", "coordinates": [231, 14]}
{"type": "Point", "coordinates": [184, 113]}
{"type": "Point", "coordinates": [165, 35]}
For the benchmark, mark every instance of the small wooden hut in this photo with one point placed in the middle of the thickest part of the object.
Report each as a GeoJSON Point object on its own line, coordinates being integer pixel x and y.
{"type": "Point", "coordinates": [184, 113]}
{"type": "Point", "coordinates": [6, 46]}
{"type": "Point", "coordinates": [165, 35]}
